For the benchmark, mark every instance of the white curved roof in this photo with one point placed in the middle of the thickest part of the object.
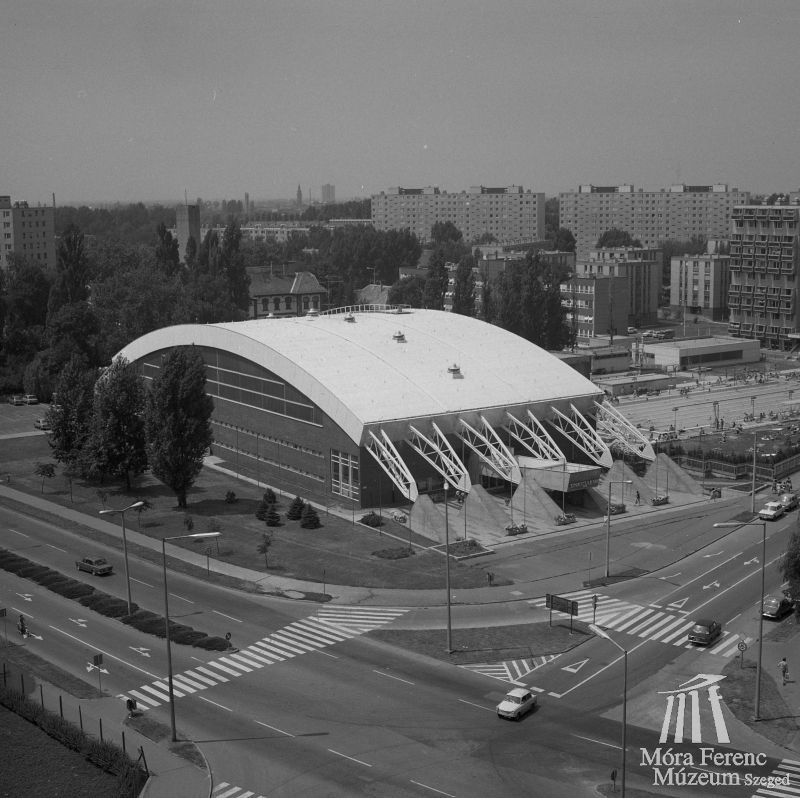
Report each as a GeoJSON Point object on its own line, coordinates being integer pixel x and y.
{"type": "Point", "coordinates": [360, 375]}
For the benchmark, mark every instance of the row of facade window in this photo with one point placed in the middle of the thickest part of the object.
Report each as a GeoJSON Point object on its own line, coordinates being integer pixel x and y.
{"type": "Point", "coordinates": [308, 302]}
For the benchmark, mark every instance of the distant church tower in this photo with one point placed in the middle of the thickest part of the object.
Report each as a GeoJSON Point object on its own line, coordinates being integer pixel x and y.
{"type": "Point", "coordinates": [299, 197]}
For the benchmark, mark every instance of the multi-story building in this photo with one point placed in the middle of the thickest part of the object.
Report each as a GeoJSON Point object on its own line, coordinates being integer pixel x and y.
{"type": "Point", "coordinates": [699, 284]}
{"type": "Point", "coordinates": [641, 268]}
{"type": "Point", "coordinates": [328, 193]}
{"type": "Point", "coordinates": [597, 305]}
{"type": "Point", "coordinates": [273, 295]}
{"type": "Point", "coordinates": [679, 212]}
{"type": "Point", "coordinates": [187, 225]}
{"type": "Point", "coordinates": [762, 297]}
{"type": "Point", "coordinates": [27, 231]}
{"type": "Point", "coordinates": [510, 214]}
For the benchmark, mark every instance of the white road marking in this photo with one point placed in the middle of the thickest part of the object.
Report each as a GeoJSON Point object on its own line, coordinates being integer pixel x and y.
{"type": "Point", "coordinates": [477, 706]}
{"type": "Point", "coordinates": [396, 678]}
{"type": "Point", "coordinates": [227, 616]}
{"type": "Point", "coordinates": [146, 584]}
{"type": "Point", "coordinates": [274, 728]}
{"type": "Point", "coordinates": [55, 547]}
{"type": "Point", "coordinates": [432, 789]}
{"type": "Point", "coordinates": [351, 758]}
{"type": "Point", "coordinates": [209, 701]}
{"type": "Point", "coordinates": [175, 595]}
{"type": "Point", "coordinates": [16, 532]}
{"type": "Point", "coordinates": [599, 742]}
{"type": "Point", "coordinates": [104, 652]}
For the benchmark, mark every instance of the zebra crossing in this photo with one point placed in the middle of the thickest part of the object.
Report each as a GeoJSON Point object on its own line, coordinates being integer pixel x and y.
{"type": "Point", "coordinates": [512, 670]}
{"type": "Point", "coordinates": [650, 622]}
{"type": "Point", "coordinates": [786, 784]}
{"type": "Point", "coordinates": [226, 790]}
{"type": "Point", "coordinates": [330, 625]}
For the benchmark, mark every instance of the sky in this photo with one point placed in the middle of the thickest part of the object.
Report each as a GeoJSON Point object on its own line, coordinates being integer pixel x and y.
{"type": "Point", "coordinates": [140, 100]}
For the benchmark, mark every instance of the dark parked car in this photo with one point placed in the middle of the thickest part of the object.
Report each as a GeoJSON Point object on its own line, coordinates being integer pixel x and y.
{"type": "Point", "coordinates": [98, 566]}
{"type": "Point", "coordinates": [705, 631]}
{"type": "Point", "coordinates": [777, 607]}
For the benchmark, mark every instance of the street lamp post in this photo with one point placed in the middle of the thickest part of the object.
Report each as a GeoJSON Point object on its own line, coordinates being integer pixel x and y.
{"type": "Point", "coordinates": [602, 633]}
{"type": "Point", "coordinates": [195, 536]}
{"type": "Point", "coordinates": [134, 506]}
{"type": "Point", "coordinates": [763, 525]}
{"type": "Point", "coordinates": [447, 569]}
{"type": "Point", "coordinates": [608, 519]}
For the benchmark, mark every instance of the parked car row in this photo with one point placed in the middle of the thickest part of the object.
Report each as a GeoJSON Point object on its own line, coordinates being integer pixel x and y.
{"type": "Point", "coordinates": [23, 399]}
{"type": "Point", "coordinates": [774, 510]}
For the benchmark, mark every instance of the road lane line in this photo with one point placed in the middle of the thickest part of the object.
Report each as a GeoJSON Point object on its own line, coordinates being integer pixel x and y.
{"type": "Point", "coordinates": [351, 758]}
{"type": "Point", "coordinates": [229, 617]}
{"type": "Point", "coordinates": [16, 532]}
{"type": "Point", "coordinates": [146, 584]}
{"type": "Point", "coordinates": [175, 595]}
{"type": "Point", "coordinates": [599, 742]}
{"type": "Point", "coordinates": [396, 678]}
{"type": "Point", "coordinates": [104, 652]}
{"type": "Point", "coordinates": [432, 789]}
{"type": "Point", "coordinates": [488, 709]}
{"type": "Point", "coordinates": [209, 701]}
{"type": "Point", "coordinates": [274, 728]}
{"type": "Point", "coordinates": [55, 547]}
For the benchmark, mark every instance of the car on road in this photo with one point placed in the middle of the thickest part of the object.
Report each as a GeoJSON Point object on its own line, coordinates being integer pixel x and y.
{"type": "Point", "coordinates": [516, 703]}
{"type": "Point", "coordinates": [632, 331]}
{"type": "Point", "coordinates": [30, 399]}
{"type": "Point", "coordinates": [789, 501]}
{"type": "Point", "coordinates": [42, 423]}
{"type": "Point", "coordinates": [16, 399]}
{"type": "Point", "coordinates": [771, 511]}
{"type": "Point", "coordinates": [777, 607]}
{"type": "Point", "coordinates": [97, 566]}
{"type": "Point", "coordinates": [705, 631]}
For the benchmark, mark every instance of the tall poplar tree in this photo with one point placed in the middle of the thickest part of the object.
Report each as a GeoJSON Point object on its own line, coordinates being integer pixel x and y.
{"type": "Point", "coordinates": [178, 420]}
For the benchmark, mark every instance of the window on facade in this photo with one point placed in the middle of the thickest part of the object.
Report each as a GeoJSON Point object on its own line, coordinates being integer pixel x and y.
{"type": "Point", "coordinates": [305, 303]}
{"type": "Point", "coordinates": [287, 303]}
{"type": "Point", "coordinates": [276, 303]}
{"type": "Point", "coordinates": [265, 304]}
{"type": "Point", "coordinates": [344, 474]}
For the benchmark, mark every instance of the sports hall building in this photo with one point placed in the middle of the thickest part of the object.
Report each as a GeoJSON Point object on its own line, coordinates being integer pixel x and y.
{"type": "Point", "coordinates": [381, 406]}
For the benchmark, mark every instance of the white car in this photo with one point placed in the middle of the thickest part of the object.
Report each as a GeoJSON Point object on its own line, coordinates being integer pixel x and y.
{"type": "Point", "coordinates": [516, 703]}
{"type": "Point", "coordinates": [771, 511]}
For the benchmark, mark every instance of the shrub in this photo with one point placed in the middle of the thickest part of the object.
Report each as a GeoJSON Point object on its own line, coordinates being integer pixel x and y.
{"type": "Point", "coordinates": [372, 519]}
{"type": "Point", "coordinates": [47, 577]}
{"type": "Point", "coordinates": [230, 497]}
{"type": "Point", "coordinates": [31, 570]}
{"type": "Point", "coordinates": [310, 518]}
{"type": "Point", "coordinates": [295, 510]}
{"type": "Point", "coordinates": [213, 644]}
{"type": "Point", "coordinates": [189, 637]}
{"type": "Point", "coordinates": [72, 589]}
{"type": "Point", "coordinates": [269, 496]}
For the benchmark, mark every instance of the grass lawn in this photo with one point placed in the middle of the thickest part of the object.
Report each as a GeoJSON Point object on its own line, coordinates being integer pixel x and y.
{"type": "Point", "coordinates": [340, 552]}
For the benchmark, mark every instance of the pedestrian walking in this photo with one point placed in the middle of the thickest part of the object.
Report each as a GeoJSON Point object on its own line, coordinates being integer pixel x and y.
{"type": "Point", "coordinates": [638, 498]}
{"type": "Point", "coordinates": [783, 667]}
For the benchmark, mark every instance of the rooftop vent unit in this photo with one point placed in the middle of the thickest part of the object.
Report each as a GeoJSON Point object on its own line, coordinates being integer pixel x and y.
{"type": "Point", "coordinates": [454, 370]}
{"type": "Point", "coordinates": [399, 337]}
{"type": "Point", "coordinates": [350, 318]}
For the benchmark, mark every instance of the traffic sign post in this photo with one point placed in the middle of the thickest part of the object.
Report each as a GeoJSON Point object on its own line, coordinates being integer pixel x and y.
{"type": "Point", "coordinates": [561, 604]}
{"type": "Point", "coordinates": [742, 648]}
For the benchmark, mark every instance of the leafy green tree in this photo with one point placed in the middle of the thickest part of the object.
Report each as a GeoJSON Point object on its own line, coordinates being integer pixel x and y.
{"type": "Point", "coordinates": [436, 284]}
{"type": "Point", "coordinates": [310, 518]}
{"type": "Point", "coordinates": [408, 291]}
{"type": "Point", "coordinates": [233, 263]}
{"type": "Point", "coordinates": [167, 254]}
{"type": "Point", "coordinates": [790, 563]}
{"type": "Point", "coordinates": [263, 547]}
{"type": "Point", "coordinates": [617, 238]}
{"type": "Point", "coordinates": [117, 441]}
{"type": "Point", "coordinates": [464, 288]}
{"type": "Point", "coordinates": [45, 471]}
{"type": "Point", "coordinates": [71, 419]}
{"type": "Point", "coordinates": [73, 329]}
{"type": "Point", "coordinates": [563, 240]}
{"type": "Point", "coordinates": [295, 509]}
{"type": "Point", "coordinates": [178, 420]}
{"type": "Point", "coordinates": [445, 232]}
{"type": "Point", "coordinates": [72, 271]}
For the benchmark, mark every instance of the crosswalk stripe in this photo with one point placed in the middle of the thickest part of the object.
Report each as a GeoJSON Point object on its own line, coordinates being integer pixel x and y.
{"type": "Point", "coordinates": [309, 638]}
{"type": "Point", "coordinates": [216, 664]}
{"type": "Point", "coordinates": [681, 629]}
{"type": "Point", "coordinates": [165, 688]}
{"type": "Point", "coordinates": [232, 663]}
{"type": "Point", "coordinates": [144, 699]}
{"type": "Point", "coordinates": [637, 617]}
{"type": "Point", "coordinates": [176, 679]}
{"type": "Point", "coordinates": [260, 657]}
{"type": "Point", "coordinates": [660, 626]}
{"type": "Point", "coordinates": [203, 679]}
{"type": "Point", "coordinates": [227, 793]}
{"type": "Point", "coordinates": [218, 677]}
{"type": "Point", "coordinates": [249, 662]}
{"type": "Point", "coordinates": [291, 640]}
{"type": "Point", "coordinates": [318, 630]}
{"type": "Point", "coordinates": [163, 696]}
{"type": "Point", "coordinates": [260, 648]}
{"type": "Point", "coordinates": [283, 650]}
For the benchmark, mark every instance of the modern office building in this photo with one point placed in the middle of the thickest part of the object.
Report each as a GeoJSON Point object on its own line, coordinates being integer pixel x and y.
{"type": "Point", "coordinates": [699, 285]}
{"type": "Point", "coordinates": [679, 212]}
{"type": "Point", "coordinates": [762, 297]}
{"type": "Point", "coordinates": [27, 231]}
{"type": "Point", "coordinates": [642, 270]}
{"type": "Point", "coordinates": [328, 193]}
{"type": "Point", "coordinates": [187, 225]}
{"type": "Point", "coordinates": [596, 305]}
{"type": "Point", "coordinates": [510, 214]}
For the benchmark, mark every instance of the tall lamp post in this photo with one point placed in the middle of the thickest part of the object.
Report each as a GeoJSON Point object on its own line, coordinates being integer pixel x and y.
{"type": "Point", "coordinates": [763, 525]}
{"type": "Point", "coordinates": [447, 569]}
{"type": "Point", "coordinates": [602, 633]}
{"type": "Point", "coordinates": [195, 536]}
{"type": "Point", "coordinates": [608, 518]}
{"type": "Point", "coordinates": [134, 506]}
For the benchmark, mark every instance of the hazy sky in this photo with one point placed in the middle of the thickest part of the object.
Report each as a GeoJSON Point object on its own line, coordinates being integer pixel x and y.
{"type": "Point", "coordinates": [138, 100]}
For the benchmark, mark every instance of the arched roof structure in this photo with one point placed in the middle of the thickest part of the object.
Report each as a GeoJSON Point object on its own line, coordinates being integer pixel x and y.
{"type": "Point", "coordinates": [389, 367]}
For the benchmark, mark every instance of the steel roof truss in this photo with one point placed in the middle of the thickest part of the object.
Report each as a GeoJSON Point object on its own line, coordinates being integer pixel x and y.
{"type": "Point", "coordinates": [583, 435]}
{"type": "Point", "coordinates": [534, 438]}
{"type": "Point", "coordinates": [613, 426]}
{"type": "Point", "coordinates": [388, 458]}
{"type": "Point", "coordinates": [491, 450]}
{"type": "Point", "coordinates": [440, 455]}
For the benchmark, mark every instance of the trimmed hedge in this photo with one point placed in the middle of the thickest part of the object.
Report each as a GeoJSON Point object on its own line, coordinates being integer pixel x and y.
{"type": "Point", "coordinates": [108, 756]}
{"type": "Point", "coordinates": [110, 606]}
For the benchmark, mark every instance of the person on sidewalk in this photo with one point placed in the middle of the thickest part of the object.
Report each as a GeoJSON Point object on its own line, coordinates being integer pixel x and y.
{"type": "Point", "coordinates": [638, 498]}
{"type": "Point", "coordinates": [783, 667]}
